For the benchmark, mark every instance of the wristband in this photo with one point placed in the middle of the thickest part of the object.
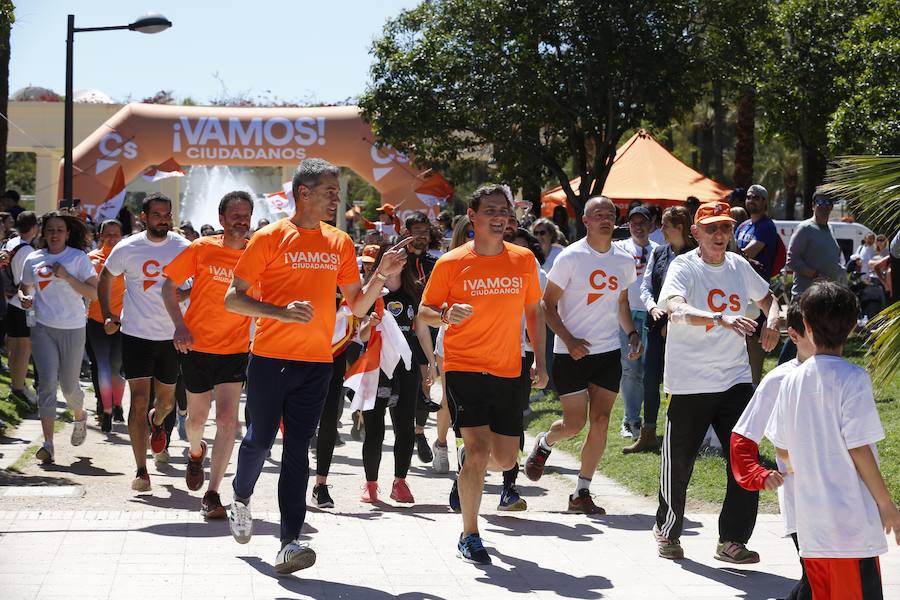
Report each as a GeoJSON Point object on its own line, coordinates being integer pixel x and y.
{"type": "Point", "coordinates": [444, 319]}
{"type": "Point", "coordinates": [381, 276]}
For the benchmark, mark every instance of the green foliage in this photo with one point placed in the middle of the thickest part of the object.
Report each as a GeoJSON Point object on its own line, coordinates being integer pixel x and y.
{"type": "Point", "coordinates": [20, 172]}
{"type": "Point", "coordinates": [867, 119]}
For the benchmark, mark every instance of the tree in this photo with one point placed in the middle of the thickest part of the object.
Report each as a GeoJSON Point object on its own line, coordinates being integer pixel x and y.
{"type": "Point", "coordinates": [541, 83]}
{"type": "Point", "coordinates": [7, 17]}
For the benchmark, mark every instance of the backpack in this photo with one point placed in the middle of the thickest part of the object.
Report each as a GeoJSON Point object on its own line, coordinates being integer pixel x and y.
{"type": "Point", "coordinates": [10, 287]}
{"type": "Point", "coordinates": [780, 258]}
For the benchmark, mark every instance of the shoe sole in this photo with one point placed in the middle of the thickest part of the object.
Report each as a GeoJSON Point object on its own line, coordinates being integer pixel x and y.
{"type": "Point", "coordinates": [140, 487]}
{"type": "Point", "coordinates": [471, 561]}
{"type": "Point", "coordinates": [325, 505]}
{"type": "Point", "coordinates": [240, 539]}
{"type": "Point", "coordinates": [580, 511]}
{"type": "Point", "coordinates": [216, 513]}
{"type": "Point", "coordinates": [516, 507]}
{"type": "Point", "coordinates": [44, 456]}
{"type": "Point", "coordinates": [728, 559]}
{"type": "Point", "coordinates": [673, 557]}
{"type": "Point", "coordinates": [300, 561]}
{"type": "Point", "coordinates": [409, 501]}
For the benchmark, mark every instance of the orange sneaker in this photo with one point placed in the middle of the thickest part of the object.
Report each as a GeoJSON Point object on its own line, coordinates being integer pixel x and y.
{"type": "Point", "coordinates": [370, 492]}
{"type": "Point", "coordinates": [400, 492]}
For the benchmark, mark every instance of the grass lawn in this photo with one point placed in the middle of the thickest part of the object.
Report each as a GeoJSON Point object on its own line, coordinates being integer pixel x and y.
{"type": "Point", "coordinates": [640, 472]}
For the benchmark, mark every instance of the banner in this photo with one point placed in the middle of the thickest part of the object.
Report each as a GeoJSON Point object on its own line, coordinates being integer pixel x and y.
{"type": "Point", "coordinates": [113, 203]}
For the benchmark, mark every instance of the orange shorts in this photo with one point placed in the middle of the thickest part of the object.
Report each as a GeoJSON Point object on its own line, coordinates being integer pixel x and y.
{"type": "Point", "coordinates": [844, 578]}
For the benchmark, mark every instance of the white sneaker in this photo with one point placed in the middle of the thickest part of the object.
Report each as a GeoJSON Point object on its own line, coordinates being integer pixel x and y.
{"type": "Point", "coordinates": [240, 521]}
{"type": "Point", "coordinates": [79, 431]}
{"type": "Point", "coordinates": [161, 458]}
{"type": "Point", "coordinates": [441, 462]}
{"type": "Point", "coordinates": [293, 557]}
{"type": "Point", "coordinates": [625, 430]}
{"type": "Point", "coordinates": [45, 453]}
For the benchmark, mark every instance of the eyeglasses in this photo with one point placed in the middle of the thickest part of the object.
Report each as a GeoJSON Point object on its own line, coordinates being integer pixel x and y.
{"type": "Point", "coordinates": [541, 232]}
{"type": "Point", "coordinates": [470, 233]}
{"type": "Point", "coordinates": [711, 228]}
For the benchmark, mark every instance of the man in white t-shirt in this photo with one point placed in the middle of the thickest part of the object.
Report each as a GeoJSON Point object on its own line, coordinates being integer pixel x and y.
{"type": "Point", "coordinates": [147, 330]}
{"type": "Point", "coordinates": [706, 294]}
{"type": "Point", "coordinates": [639, 247]}
{"type": "Point", "coordinates": [825, 427]}
{"type": "Point", "coordinates": [586, 301]}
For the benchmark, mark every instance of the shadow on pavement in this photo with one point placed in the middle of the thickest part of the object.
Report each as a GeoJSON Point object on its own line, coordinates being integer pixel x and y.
{"type": "Point", "coordinates": [525, 576]}
{"type": "Point", "coordinates": [83, 466]}
{"type": "Point", "coordinates": [515, 526]}
{"type": "Point", "coordinates": [10, 478]}
{"type": "Point", "coordinates": [213, 528]}
{"type": "Point", "coordinates": [177, 498]}
{"type": "Point", "coordinates": [743, 579]}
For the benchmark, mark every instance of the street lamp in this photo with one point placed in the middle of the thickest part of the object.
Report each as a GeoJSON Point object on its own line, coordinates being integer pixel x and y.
{"type": "Point", "coordinates": [149, 23]}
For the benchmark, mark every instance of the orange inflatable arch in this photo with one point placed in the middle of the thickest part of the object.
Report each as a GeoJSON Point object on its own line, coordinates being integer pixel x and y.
{"type": "Point", "coordinates": [142, 135]}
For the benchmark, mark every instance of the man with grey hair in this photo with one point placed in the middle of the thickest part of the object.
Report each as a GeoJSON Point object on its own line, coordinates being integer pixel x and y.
{"type": "Point", "coordinates": [297, 264]}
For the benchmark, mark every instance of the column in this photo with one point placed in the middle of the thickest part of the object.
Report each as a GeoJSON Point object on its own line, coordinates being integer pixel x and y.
{"type": "Point", "coordinates": [171, 187]}
{"type": "Point", "coordinates": [46, 188]}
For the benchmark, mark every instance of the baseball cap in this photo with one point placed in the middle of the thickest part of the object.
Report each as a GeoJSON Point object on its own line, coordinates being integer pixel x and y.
{"type": "Point", "coordinates": [758, 190]}
{"type": "Point", "coordinates": [639, 210]}
{"type": "Point", "coordinates": [386, 208]}
{"type": "Point", "coordinates": [713, 212]}
{"type": "Point", "coordinates": [370, 253]}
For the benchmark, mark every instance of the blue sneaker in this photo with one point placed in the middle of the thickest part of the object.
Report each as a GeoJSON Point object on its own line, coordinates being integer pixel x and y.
{"type": "Point", "coordinates": [511, 501]}
{"type": "Point", "coordinates": [470, 549]}
{"type": "Point", "coordinates": [455, 505]}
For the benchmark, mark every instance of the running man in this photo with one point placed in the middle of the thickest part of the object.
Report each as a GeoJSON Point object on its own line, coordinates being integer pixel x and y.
{"type": "Point", "coordinates": [213, 342]}
{"type": "Point", "coordinates": [585, 303]}
{"type": "Point", "coordinates": [298, 263]}
{"type": "Point", "coordinates": [147, 331]}
{"type": "Point", "coordinates": [480, 290]}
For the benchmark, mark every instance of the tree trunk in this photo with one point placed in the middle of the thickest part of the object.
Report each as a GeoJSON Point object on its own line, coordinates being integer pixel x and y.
{"type": "Point", "coordinates": [718, 170]}
{"type": "Point", "coordinates": [706, 148]}
{"type": "Point", "coordinates": [814, 166]}
{"type": "Point", "coordinates": [6, 21]}
{"type": "Point", "coordinates": [744, 132]}
{"type": "Point", "coordinates": [790, 190]}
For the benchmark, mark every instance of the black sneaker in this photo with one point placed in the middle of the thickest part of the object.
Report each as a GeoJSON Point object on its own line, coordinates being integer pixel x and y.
{"type": "Point", "coordinates": [470, 549]}
{"type": "Point", "coordinates": [357, 429]}
{"type": "Point", "coordinates": [320, 496]}
{"type": "Point", "coordinates": [105, 422]}
{"type": "Point", "coordinates": [423, 448]}
{"type": "Point", "coordinates": [455, 504]}
{"type": "Point", "coordinates": [118, 414]}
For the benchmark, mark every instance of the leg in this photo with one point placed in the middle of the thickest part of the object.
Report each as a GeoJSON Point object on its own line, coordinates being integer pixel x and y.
{"type": "Point", "coordinates": [654, 361]}
{"type": "Point", "coordinates": [137, 419]}
{"type": "Point", "coordinates": [471, 476]}
{"type": "Point", "coordinates": [46, 354]}
{"type": "Point", "coordinates": [756, 355]}
{"type": "Point", "coordinates": [802, 590]}
{"type": "Point", "coordinates": [632, 384]}
{"type": "Point", "coordinates": [504, 451]}
{"type": "Point", "coordinates": [788, 352]}
{"type": "Point", "coordinates": [334, 403]}
{"type": "Point", "coordinates": [19, 355]}
{"type": "Point", "coordinates": [101, 372]}
{"type": "Point", "coordinates": [403, 417]}
{"type": "Point", "coordinates": [371, 450]}
{"type": "Point", "coordinates": [443, 416]}
{"type": "Point", "coordinates": [574, 416]}
{"type": "Point", "coordinates": [600, 406]}
{"type": "Point", "coordinates": [198, 412]}
{"type": "Point", "coordinates": [228, 398]}
{"type": "Point", "coordinates": [164, 403]}
{"type": "Point", "coordinates": [115, 367]}
{"type": "Point", "coordinates": [71, 347]}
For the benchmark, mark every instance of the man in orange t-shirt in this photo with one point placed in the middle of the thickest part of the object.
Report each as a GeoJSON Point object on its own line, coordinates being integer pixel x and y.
{"type": "Point", "coordinates": [213, 343]}
{"type": "Point", "coordinates": [480, 291]}
{"type": "Point", "coordinates": [297, 263]}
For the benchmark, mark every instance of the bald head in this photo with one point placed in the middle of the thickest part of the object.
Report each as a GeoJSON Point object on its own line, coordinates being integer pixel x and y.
{"type": "Point", "coordinates": [599, 201]}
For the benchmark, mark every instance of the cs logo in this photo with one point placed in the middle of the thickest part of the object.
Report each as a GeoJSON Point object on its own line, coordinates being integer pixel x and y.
{"type": "Point", "coordinates": [600, 281]}
{"type": "Point", "coordinates": [151, 268]}
{"type": "Point", "coordinates": [719, 301]}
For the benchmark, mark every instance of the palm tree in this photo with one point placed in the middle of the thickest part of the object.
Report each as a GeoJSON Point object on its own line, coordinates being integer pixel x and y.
{"type": "Point", "coordinates": [871, 185]}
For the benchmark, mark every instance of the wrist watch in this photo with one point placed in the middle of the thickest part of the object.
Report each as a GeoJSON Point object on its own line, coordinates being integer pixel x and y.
{"type": "Point", "coordinates": [381, 276]}
{"type": "Point", "coordinates": [717, 318]}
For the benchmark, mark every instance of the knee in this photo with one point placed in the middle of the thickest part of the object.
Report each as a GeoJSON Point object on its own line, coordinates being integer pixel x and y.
{"type": "Point", "coordinates": [226, 423]}
{"type": "Point", "coordinates": [477, 456]}
{"type": "Point", "coordinates": [571, 427]}
{"type": "Point", "coordinates": [600, 420]}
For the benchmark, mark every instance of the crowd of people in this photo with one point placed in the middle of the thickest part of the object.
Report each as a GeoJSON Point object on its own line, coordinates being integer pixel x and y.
{"type": "Point", "coordinates": [497, 307]}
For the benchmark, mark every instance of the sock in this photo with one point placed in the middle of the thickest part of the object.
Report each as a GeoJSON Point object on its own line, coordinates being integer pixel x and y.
{"type": "Point", "coordinates": [543, 442]}
{"type": "Point", "coordinates": [195, 456]}
{"type": "Point", "coordinates": [509, 477]}
{"type": "Point", "coordinates": [440, 444]}
{"type": "Point", "coordinates": [244, 501]}
{"type": "Point", "coordinates": [583, 483]}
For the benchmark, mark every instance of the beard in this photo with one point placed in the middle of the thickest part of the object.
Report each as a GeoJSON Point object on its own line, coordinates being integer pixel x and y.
{"type": "Point", "coordinates": [159, 230]}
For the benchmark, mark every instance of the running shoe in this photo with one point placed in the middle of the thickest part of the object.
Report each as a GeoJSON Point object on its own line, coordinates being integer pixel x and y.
{"type": "Point", "coordinates": [370, 492]}
{"type": "Point", "coordinates": [22, 401]}
{"type": "Point", "coordinates": [470, 549]}
{"type": "Point", "coordinates": [423, 448]}
{"type": "Point", "coordinates": [455, 504]}
{"type": "Point", "coordinates": [79, 431]}
{"type": "Point", "coordinates": [441, 462]}
{"type": "Point", "coordinates": [194, 475]}
{"type": "Point", "coordinates": [45, 453]}
{"type": "Point", "coordinates": [161, 458]}
{"type": "Point", "coordinates": [583, 503]}
{"type": "Point", "coordinates": [511, 501]}
{"type": "Point", "coordinates": [182, 427]}
{"type": "Point", "coordinates": [401, 493]}
{"type": "Point", "coordinates": [294, 556]}
{"type": "Point", "coordinates": [357, 429]}
{"type": "Point", "coordinates": [666, 548]}
{"type": "Point", "coordinates": [106, 420]}
{"type": "Point", "coordinates": [240, 521]}
{"type": "Point", "coordinates": [157, 434]}
{"type": "Point", "coordinates": [320, 496]}
{"type": "Point", "coordinates": [211, 506]}
{"type": "Point", "coordinates": [141, 481]}
{"type": "Point", "coordinates": [625, 430]}
{"type": "Point", "coordinates": [534, 464]}
{"type": "Point", "coordinates": [118, 414]}
{"type": "Point", "coordinates": [736, 553]}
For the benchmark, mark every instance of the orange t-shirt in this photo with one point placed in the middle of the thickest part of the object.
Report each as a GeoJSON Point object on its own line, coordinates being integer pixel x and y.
{"type": "Point", "coordinates": [211, 264]}
{"type": "Point", "coordinates": [116, 292]}
{"type": "Point", "coordinates": [498, 288]}
{"type": "Point", "coordinates": [290, 263]}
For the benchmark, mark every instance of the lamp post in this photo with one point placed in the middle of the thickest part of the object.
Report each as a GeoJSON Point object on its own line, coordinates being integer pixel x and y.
{"type": "Point", "coordinates": [149, 23]}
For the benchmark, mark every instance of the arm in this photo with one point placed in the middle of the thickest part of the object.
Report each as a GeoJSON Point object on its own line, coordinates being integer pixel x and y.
{"type": "Point", "coordinates": [578, 348]}
{"type": "Point", "coordinates": [627, 324]}
{"type": "Point", "coordinates": [183, 339]}
{"type": "Point", "coordinates": [360, 298]}
{"type": "Point", "coordinates": [753, 248]}
{"type": "Point", "coordinates": [746, 468]}
{"type": "Point", "coordinates": [111, 322]}
{"type": "Point", "coordinates": [87, 288]}
{"type": "Point", "coordinates": [682, 312]}
{"type": "Point", "coordinates": [537, 331]}
{"type": "Point", "coordinates": [867, 467]}
{"type": "Point", "coordinates": [238, 301]}
{"type": "Point", "coordinates": [647, 286]}
{"type": "Point", "coordinates": [26, 295]}
{"type": "Point", "coordinates": [424, 336]}
{"type": "Point", "coordinates": [770, 334]}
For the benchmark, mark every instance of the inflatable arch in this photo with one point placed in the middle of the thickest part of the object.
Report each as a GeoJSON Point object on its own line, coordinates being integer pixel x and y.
{"type": "Point", "coordinates": [142, 135]}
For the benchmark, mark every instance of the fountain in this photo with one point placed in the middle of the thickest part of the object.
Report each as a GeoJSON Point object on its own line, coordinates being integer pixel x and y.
{"type": "Point", "coordinates": [205, 186]}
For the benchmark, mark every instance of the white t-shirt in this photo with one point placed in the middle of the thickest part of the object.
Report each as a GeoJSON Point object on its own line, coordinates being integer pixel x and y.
{"type": "Point", "coordinates": [656, 236]}
{"type": "Point", "coordinates": [550, 259]}
{"type": "Point", "coordinates": [824, 409]}
{"type": "Point", "coordinates": [17, 264]}
{"type": "Point", "coordinates": [866, 253]}
{"type": "Point", "coordinates": [542, 281]}
{"type": "Point", "coordinates": [591, 282]}
{"type": "Point", "coordinates": [706, 360]}
{"type": "Point", "coordinates": [752, 425]}
{"type": "Point", "coordinates": [143, 311]}
{"type": "Point", "coordinates": [641, 256]}
{"type": "Point", "coordinates": [56, 303]}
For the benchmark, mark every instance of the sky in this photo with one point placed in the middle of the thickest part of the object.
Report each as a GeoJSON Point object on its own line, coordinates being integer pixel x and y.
{"type": "Point", "coordinates": [297, 51]}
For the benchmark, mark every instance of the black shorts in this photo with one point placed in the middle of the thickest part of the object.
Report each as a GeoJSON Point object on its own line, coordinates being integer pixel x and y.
{"type": "Point", "coordinates": [477, 399]}
{"type": "Point", "coordinates": [572, 376]}
{"type": "Point", "coordinates": [14, 322]}
{"type": "Point", "coordinates": [203, 371]}
{"type": "Point", "coordinates": [524, 380]}
{"type": "Point", "coordinates": [149, 358]}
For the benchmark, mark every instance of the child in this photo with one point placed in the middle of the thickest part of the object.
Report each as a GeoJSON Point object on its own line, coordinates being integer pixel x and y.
{"type": "Point", "coordinates": [824, 428]}
{"type": "Point", "coordinates": [750, 428]}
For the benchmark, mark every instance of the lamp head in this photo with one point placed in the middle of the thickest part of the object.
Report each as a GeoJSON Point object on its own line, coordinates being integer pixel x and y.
{"type": "Point", "coordinates": [150, 23]}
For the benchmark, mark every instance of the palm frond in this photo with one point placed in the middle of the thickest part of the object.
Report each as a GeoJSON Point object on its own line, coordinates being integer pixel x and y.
{"type": "Point", "coordinates": [884, 355]}
{"type": "Point", "coordinates": [871, 186]}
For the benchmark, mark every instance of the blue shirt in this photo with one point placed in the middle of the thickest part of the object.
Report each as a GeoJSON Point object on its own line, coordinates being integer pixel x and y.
{"type": "Point", "coordinates": [764, 231]}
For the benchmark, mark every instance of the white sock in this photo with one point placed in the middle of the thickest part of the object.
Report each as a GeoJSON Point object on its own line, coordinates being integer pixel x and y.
{"type": "Point", "coordinates": [542, 440]}
{"type": "Point", "coordinates": [582, 484]}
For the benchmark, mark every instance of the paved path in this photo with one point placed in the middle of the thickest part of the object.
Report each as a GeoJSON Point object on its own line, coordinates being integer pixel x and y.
{"type": "Point", "coordinates": [76, 530]}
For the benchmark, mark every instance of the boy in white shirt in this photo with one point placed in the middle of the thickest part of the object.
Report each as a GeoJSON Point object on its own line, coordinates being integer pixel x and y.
{"type": "Point", "coordinates": [824, 427]}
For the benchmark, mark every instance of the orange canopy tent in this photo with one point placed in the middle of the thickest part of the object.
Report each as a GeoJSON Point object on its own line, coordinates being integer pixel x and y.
{"type": "Point", "coordinates": [644, 170]}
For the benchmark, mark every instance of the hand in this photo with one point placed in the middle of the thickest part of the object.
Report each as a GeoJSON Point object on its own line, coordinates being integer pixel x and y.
{"type": "Point", "coordinates": [741, 325]}
{"type": "Point", "coordinates": [26, 300]}
{"type": "Point", "coordinates": [374, 320]}
{"type": "Point", "coordinates": [635, 347]}
{"type": "Point", "coordinates": [890, 519]}
{"type": "Point", "coordinates": [656, 314]}
{"type": "Point", "coordinates": [183, 339]}
{"type": "Point", "coordinates": [774, 480]}
{"type": "Point", "coordinates": [4, 258]}
{"type": "Point", "coordinates": [539, 376]}
{"type": "Point", "coordinates": [111, 325]}
{"type": "Point", "coordinates": [393, 261]}
{"type": "Point", "coordinates": [769, 337]}
{"type": "Point", "coordinates": [578, 348]}
{"type": "Point", "coordinates": [458, 313]}
{"type": "Point", "coordinates": [298, 311]}
{"type": "Point", "coordinates": [60, 272]}
{"type": "Point", "coordinates": [427, 379]}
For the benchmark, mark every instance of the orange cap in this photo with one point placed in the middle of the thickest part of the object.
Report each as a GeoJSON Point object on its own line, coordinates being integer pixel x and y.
{"type": "Point", "coordinates": [713, 212]}
{"type": "Point", "coordinates": [370, 253]}
{"type": "Point", "coordinates": [386, 208]}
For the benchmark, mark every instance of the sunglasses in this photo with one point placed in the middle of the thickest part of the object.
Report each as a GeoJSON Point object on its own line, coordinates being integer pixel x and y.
{"type": "Point", "coordinates": [470, 233]}
{"type": "Point", "coordinates": [711, 228]}
{"type": "Point", "coordinates": [541, 232]}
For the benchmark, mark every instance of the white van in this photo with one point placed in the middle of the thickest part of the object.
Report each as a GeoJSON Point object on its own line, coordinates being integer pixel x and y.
{"type": "Point", "coordinates": [849, 236]}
